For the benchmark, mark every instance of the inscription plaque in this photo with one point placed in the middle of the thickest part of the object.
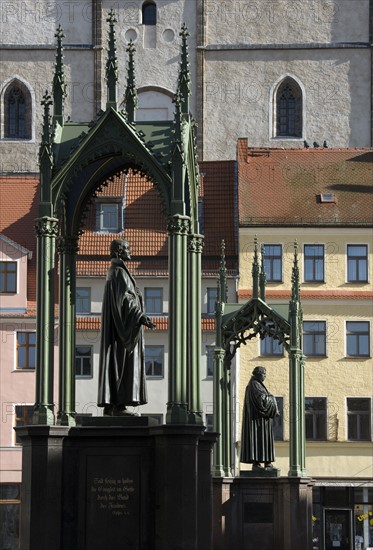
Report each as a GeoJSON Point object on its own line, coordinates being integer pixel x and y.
{"type": "Point", "coordinates": [112, 502]}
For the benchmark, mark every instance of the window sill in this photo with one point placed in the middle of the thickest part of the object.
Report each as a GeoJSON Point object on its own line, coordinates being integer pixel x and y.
{"type": "Point", "coordinates": [154, 377]}
{"type": "Point", "coordinates": [23, 370]}
{"type": "Point", "coordinates": [84, 377]}
{"type": "Point", "coordinates": [354, 357]}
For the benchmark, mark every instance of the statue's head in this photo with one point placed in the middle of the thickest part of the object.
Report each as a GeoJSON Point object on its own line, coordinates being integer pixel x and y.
{"type": "Point", "coordinates": [120, 248]}
{"type": "Point", "coordinates": [259, 373]}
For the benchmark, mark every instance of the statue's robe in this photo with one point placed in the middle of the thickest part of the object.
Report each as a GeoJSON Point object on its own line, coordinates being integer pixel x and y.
{"type": "Point", "coordinates": [260, 407]}
{"type": "Point", "coordinates": [122, 365]}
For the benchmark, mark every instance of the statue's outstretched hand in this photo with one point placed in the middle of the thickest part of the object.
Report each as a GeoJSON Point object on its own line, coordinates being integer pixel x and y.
{"type": "Point", "coordinates": [148, 323]}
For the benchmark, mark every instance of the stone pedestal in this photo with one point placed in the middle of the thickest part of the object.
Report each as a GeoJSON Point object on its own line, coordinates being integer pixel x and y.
{"type": "Point", "coordinates": [262, 512]}
{"type": "Point", "coordinates": [116, 483]}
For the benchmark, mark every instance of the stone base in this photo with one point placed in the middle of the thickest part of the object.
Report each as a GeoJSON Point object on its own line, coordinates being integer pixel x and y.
{"type": "Point", "coordinates": [273, 472]}
{"type": "Point", "coordinates": [115, 482]}
{"type": "Point", "coordinates": [252, 513]}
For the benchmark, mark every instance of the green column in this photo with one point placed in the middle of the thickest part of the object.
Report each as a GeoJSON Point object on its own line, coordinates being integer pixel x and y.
{"type": "Point", "coordinates": [218, 468]}
{"type": "Point", "coordinates": [177, 406]}
{"type": "Point", "coordinates": [46, 232]}
{"type": "Point", "coordinates": [195, 245]}
{"type": "Point", "coordinates": [296, 387]}
{"type": "Point", "coordinates": [227, 429]}
{"type": "Point", "coordinates": [66, 408]}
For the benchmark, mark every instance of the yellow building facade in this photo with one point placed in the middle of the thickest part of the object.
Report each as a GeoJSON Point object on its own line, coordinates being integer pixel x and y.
{"type": "Point", "coordinates": [336, 273]}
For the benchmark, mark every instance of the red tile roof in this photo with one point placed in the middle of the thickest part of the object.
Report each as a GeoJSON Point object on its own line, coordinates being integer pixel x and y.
{"type": "Point", "coordinates": [246, 294]}
{"type": "Point", "coordinates": [146, 228]}
{"type": "Point", "coordinates": [19, 199]}
{"type": "Point", "coordinates": [283, 186]}
{"type": "Point", "coordinates": [94, 323]}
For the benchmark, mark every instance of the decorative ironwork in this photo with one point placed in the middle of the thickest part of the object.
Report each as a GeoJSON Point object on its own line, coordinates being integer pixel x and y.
{"type": "Point", "coordinates": [111, 63]}
{"type": "Point", "coordinates": [184, 74]}
{"type": "Point", "coordinates": [195, 243]}
{"type": "Point", "coordinates": [46, 227]}
{"type": "Point", "coordinates": [130, 96]}
{"type": "Point", "coordinates": [178, 225]}
{"type": "Point", "coordinates": [59, 86]}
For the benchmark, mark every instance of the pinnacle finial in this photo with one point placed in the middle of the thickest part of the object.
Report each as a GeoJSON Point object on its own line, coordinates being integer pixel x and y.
{"type": "Point", "coordinates": [295, 287]}
{"type": "Point", "coordinates": [46, 102]}
{"type": "Point", "coordinates": [130, 96]}
{"type": "Point", "coordinates": [111, 63]}
{"type": "Point", "coordinates": [222, 286]}
{"type": "Point", "coordinates": [262, 275]}
{"type": "Point", "coordinates": [59, 86]}
{"type": "Point", "coordinates": [255, 269]}
{"type": "Point", "coordinates": [184, 74]}
{"type": "Point", "coordinates": [45, 149]}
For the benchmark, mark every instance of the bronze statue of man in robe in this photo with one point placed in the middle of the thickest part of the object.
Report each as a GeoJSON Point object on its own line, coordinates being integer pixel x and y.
{"type": "Point", "coordinates": [260, 407]}
{"type": "Point", "coordinates": [122, 364]}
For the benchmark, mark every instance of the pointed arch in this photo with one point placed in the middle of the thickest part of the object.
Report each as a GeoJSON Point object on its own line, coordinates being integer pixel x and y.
{"type": "Point", "coordinates": [287, 108]}
{"type": "Point", "coordinates": [17, 109]}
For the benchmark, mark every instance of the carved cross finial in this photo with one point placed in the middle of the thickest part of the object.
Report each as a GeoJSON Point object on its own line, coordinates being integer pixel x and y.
{"type": "Point", "coordinates": [111, 63]}
{"type": "Point", "coordinates": [130, 96]}
{"type": "Point", "coordinates": [59, 85]}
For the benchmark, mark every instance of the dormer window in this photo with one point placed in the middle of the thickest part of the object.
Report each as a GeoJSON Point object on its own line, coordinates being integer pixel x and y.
{"type": "Point", "coordinates": [327, 197]}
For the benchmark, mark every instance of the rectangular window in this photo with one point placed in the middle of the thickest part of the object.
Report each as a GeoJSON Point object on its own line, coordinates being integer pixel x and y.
{"type": "Point", "coordinates": [357, 263]}
{"type": "Point", "coordinates": [359, 419]}
{"type": "Point", "coordinates": [83, 301]}
{"type": "Point", "coordinates": [314, 338]}
{"type": "Point", "coordinates": [109, 217]}
{"type": "Point", "coordinates": [209, 361]}
{"type": "Point", "coordinates": [278, 421]}
{"type": "Point", "coordinates": [273, 262]}
{"type": "Point", "coordinates": [314, 263]}
{"type": "Point", "coordinates": [23, 417]}
{"type": "Point", "coordinates": [270, 346]}
{"type": "Point", "coordinates": [212, 296]}
{"type": "Point", "coordinates": [315, 408]}
{"type": "Point", "coordinates": [83, 361]}
{"type": "Point", "coordinates": [10, 503]}
{"type": "Point", "coordinates": [26, 342]}
{"type": "Point", "coordinates": [154, 361]}
{"type": "Point", "coordinates": [357, 336]}
{"type": "Point", "coordinates": [153, 300]}
{"type": "Point", "coordinates": [8, 277]}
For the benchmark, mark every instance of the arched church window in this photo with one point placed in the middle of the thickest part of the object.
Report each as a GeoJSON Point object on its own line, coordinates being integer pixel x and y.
{"type": "Point", "coordinates": [17, 111]}
{"type": "Point", "coordinates": [149, 13]}
{"type": "Point", "coordinates": [288, 109]}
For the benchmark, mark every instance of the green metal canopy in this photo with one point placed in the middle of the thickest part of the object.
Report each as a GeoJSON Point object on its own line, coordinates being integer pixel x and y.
{"type": "Point", "coordinates": [235, 325]}
{"type": "Point", "coordinates": [76, 159]}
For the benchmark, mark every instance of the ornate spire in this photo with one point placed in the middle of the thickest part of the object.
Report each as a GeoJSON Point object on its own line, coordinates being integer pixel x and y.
{"type": "Point", "coordinates": [59, 86]}
{"type": "Point", "coordinates": [184, 74]}
{"type": "Point", "coordinates": [46, 139]}
{"type": "Point", "coordinates": [295, 285]}
{"type": "Point", "coordinates": [222, 281]}
{"type": "Point", "coordinates": [130, 96]}
{"type": "Point", "coordinates": [111, 63]}
{"type": "Point", "coordinates": [46, 150]}
{"type": "Point", "coordinates": [255, 269]}
{"type": "Point", "coordinates": [262, 275]}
